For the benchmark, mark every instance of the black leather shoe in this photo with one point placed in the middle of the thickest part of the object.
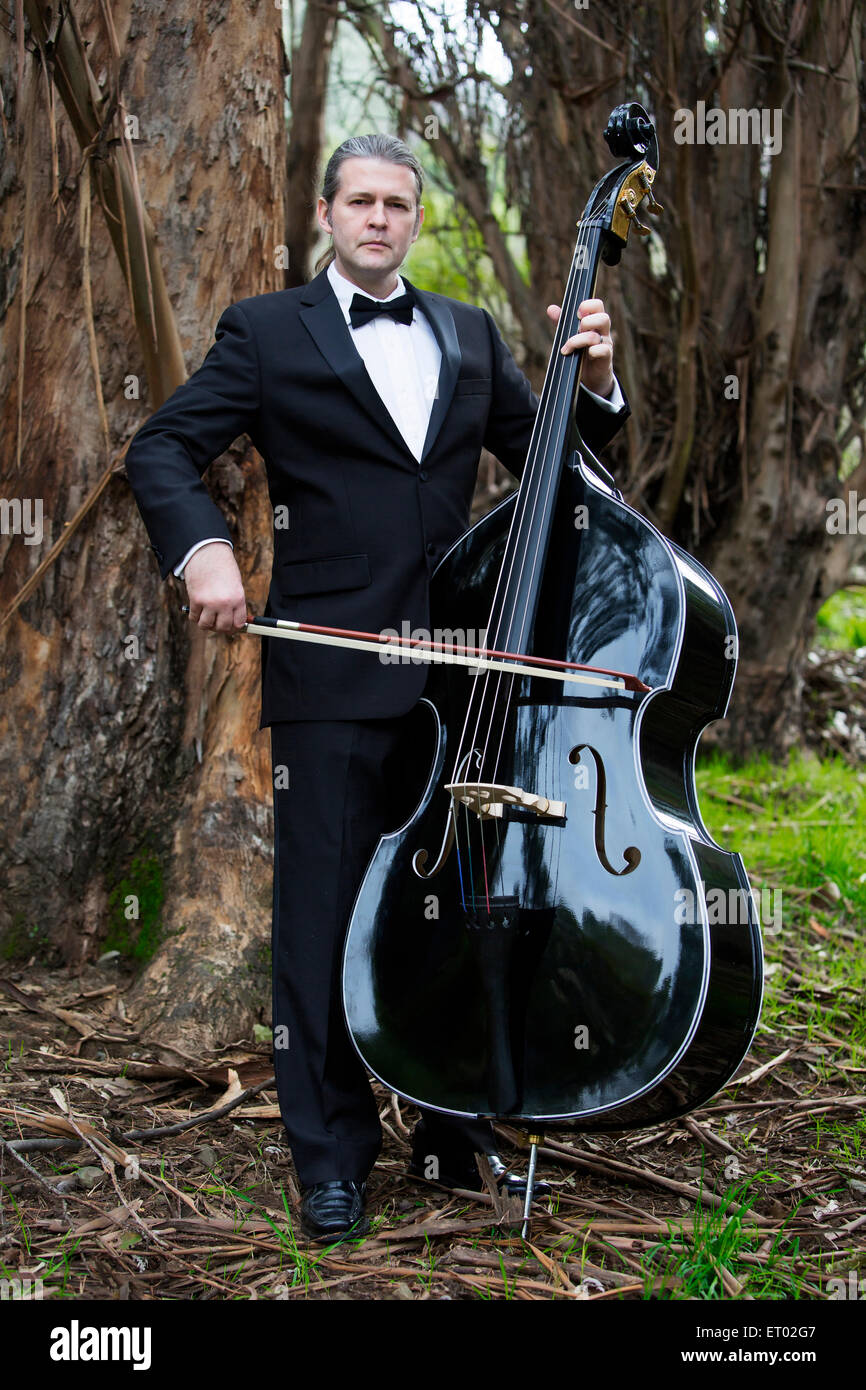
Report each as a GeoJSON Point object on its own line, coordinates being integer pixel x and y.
{"type": "Point", "coordinates": [457, 1168]}
{"type": "Point", "coordinates": [331, 1209]}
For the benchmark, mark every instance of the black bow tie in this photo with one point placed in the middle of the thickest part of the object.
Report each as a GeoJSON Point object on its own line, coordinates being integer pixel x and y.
{"type": "Point", "coordinates": [363, 310]}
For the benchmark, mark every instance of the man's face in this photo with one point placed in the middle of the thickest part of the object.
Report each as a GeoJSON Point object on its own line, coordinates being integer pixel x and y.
{"type": "Point", "coordinates": [374, 219]}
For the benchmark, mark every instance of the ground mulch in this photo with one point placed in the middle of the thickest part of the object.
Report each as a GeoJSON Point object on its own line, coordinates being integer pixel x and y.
{"type": "Point", "coordinates": [175, 1181]}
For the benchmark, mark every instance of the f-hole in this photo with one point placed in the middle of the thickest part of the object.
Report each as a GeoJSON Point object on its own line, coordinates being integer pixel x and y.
{"type": "Point", "coordinates": [631, 855]}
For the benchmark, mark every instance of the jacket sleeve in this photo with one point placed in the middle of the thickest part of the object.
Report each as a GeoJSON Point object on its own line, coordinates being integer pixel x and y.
{"type": "Point", "coordinates": [169, 454]}
{"type": "Point", "coordinates": [514, 406]}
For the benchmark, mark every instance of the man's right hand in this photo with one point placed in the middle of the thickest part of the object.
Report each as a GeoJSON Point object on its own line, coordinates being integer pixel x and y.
{"type": "Point", "coordinates": [215, 588]}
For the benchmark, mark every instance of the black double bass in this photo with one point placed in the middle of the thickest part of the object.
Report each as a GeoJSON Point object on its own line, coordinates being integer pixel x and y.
{"type": "Point", "coordinates": [541, 942]}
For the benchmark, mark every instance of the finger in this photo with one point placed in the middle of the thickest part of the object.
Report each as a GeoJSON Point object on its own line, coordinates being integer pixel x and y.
{"type": "Point", "coordinates": [601, 353]}
{"type": "Point", "coordinates": [224, 620]}
{"type": "Point", "coordinates": [581, 340]}
{"type": "Point", "coordinates": [600, 322]}
{"type": "Point", "coordinates": [554, 312]}
{"type": "Point", "coordinates": [590, 306]}
{"type": "Point", "coordinates": [240, 616]}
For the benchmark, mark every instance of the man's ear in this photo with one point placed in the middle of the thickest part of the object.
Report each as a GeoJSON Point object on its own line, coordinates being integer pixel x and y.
{"type": "Point", "coordinates": [322, 216]}
{"type": "Point", "coordinates": [420, 221]}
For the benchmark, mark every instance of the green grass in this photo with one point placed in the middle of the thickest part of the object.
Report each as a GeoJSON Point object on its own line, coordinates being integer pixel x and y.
{"type": "Point", "coordinates": [846, 1142]}
{"type": "Point", "coordinates": [842, 620]}
{"type": "Point", "coordinates": [800, 831]}
{"type": "Point", "coordinates": [804, 821]}
{"type": "Point", "coordinates": [799, 828]}
{"type": "Point", "coordinates": [301, 1264]}
{"type": "Point", "coordinates": [8, 1060]}
{"type": "Point", "coordinates": [691, 1259]}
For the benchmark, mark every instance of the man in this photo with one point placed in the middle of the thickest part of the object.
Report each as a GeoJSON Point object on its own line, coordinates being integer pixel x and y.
{"type": "Point", "coordinates": [369, 401]}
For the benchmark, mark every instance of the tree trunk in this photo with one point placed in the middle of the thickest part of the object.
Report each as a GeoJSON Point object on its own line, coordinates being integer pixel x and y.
{"type": "Point", "coordinates": [137, 780]}
{"type": "Point", "coordinates": [310, 65]}
{"type": "Point", "coordinates": [774, 554]}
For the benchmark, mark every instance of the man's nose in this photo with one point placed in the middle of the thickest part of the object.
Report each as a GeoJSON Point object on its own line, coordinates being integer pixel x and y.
{"type": "Point", "coordinates": [377, 214]}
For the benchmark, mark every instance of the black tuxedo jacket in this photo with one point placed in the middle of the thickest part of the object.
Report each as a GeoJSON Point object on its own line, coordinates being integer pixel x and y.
{"type": "Point", "coordinates": [367, 523]}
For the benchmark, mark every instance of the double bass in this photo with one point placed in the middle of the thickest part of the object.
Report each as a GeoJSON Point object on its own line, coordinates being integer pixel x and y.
{"type": "Point", "coordinates": [540, 942]}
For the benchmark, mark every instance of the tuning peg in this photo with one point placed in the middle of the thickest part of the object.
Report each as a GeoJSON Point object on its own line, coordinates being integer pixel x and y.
{"type": "Point", "coordinates": [631, 213]}
{"type": "Point", "coordinates": [646, 178]}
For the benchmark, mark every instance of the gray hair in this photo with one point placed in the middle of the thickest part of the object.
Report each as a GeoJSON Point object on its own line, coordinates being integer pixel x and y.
{"type": "Point", "coordinates": [374, 146]}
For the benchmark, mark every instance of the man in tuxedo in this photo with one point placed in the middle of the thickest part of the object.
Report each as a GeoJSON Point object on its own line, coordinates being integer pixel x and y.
{"type": "Point", "coordinates": [369, 401]}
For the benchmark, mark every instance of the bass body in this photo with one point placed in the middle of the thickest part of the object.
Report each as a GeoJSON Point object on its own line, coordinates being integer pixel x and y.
{"type": "Point", "coordinates": [595, 963]}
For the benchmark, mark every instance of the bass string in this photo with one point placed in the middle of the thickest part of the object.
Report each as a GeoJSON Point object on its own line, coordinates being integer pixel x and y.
{"type": "Point", "coordinates": [560, 407]}
{"type": "Point", "coordinates": [525, 517]}
{"type": "Point", "coordinates": [545, 423]}
{"type": "Point", "coordinates": [545, 427]}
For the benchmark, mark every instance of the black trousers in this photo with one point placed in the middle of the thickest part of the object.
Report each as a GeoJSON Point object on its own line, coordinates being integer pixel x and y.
{"type": "Point", "coordinates": [336, 790]}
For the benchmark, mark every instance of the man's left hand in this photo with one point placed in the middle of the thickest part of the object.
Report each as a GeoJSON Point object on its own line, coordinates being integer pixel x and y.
{"type": "Point", "coordinates": [594, 337]}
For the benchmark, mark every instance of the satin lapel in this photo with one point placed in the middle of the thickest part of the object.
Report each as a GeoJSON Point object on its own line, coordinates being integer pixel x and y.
{"type": "Point", "coordinates": [323, 320]}
{"type": "Point", "coordinates": [442, 322]}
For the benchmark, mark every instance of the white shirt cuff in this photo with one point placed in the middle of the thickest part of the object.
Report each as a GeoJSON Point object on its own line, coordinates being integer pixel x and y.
{"type": "Point", "coordinates": [198, 545]}
{"type": "Point", "coordinates": [615, 401]}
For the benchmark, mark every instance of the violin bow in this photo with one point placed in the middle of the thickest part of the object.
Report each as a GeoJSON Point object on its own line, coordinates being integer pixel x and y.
{"type": "Point", "coordinates": [442, 653]}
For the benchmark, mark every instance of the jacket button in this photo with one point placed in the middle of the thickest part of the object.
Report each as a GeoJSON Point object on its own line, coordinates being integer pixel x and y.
{"type": "Point", "coordinates": [431, 549]}
{"type": "Point", "coordinates": [423, 475]}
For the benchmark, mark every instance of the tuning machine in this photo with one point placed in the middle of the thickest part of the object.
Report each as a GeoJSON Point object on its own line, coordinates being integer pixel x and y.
{"type": "Point", "coordinates": [646, 177]}
{"type": "Point", "coordinates": [628, 202]}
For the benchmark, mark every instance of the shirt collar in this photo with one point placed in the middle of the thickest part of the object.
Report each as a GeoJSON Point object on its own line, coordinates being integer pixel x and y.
{"type": "Point", "coordinates": [346, 291]}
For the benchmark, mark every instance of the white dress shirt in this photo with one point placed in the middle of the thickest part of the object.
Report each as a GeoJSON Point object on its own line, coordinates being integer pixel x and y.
{"type": "Point", "coordinates": [402, 361]}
